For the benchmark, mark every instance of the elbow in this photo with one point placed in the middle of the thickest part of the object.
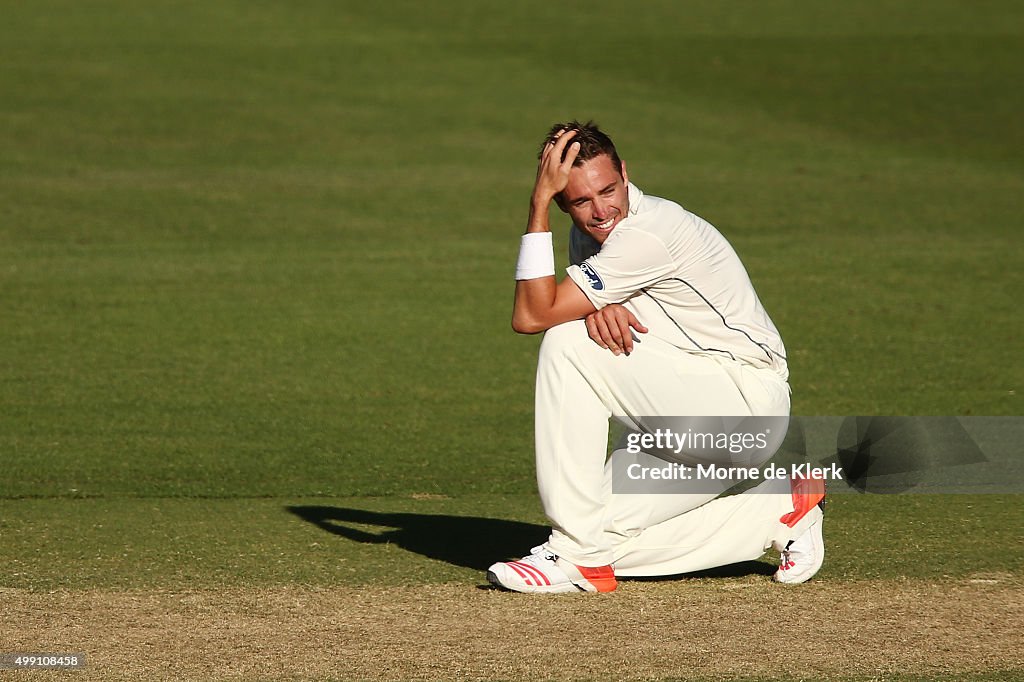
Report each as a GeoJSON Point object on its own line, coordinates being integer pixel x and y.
{"type": "Point", "coordinates": [525, 325]}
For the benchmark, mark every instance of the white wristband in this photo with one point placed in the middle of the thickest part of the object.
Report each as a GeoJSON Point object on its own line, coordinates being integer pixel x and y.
{"type": "Point", "coordinates": [536, 256]}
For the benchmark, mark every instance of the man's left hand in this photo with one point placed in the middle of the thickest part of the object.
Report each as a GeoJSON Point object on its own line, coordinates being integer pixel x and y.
{"type": "Point", "coordinates": [610, 327]}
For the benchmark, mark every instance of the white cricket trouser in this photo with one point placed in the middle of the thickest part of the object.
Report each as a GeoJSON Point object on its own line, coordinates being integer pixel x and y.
{"type": "Point", "coordinates": [580, 386]}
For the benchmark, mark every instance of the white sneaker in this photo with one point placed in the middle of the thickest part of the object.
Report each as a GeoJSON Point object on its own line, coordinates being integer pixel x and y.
{"type": "Point", "coordinates": [802, 557]}
{"type": "Point", "coordinates": [540, 571]}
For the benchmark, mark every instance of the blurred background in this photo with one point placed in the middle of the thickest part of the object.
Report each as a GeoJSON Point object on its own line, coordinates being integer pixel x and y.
{"type": "Point", "coordinates": [266, 248]}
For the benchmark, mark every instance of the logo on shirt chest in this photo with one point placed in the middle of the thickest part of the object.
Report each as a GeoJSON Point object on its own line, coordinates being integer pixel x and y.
{"type": "Point", "coordinates": [593, 278]}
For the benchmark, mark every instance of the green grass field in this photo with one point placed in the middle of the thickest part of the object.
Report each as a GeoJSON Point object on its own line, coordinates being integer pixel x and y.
{"type": "Point", "coordinates": [256, 264]}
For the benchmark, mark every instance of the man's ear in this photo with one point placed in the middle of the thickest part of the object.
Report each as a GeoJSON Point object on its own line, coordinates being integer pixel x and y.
{"type": "Point", "coordinates": [625, 176]}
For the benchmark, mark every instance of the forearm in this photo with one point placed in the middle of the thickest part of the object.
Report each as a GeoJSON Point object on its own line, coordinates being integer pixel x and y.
{"type": "Point", "coordinates": [538, 220]}
{"type": "Point", "coordinates": [534, 299]}
{"type": "Point", "coordinates": [536, 294]}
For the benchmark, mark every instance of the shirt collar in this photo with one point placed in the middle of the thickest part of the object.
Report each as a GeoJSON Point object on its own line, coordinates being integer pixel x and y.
{"type": "Point", "coordinates": [635, 195]}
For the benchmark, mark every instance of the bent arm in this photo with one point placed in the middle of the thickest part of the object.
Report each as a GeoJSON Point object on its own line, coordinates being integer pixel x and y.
{"type": "Point", "coordinates": [541, 304]}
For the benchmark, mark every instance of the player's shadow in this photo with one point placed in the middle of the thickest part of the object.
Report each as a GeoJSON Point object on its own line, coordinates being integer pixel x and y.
{"type": "Point", "coordinates": [468, 541]}
{"type": "Point", "coordinates": [738, 570]}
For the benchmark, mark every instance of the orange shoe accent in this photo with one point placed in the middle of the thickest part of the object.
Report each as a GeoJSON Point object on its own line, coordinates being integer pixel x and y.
{"type": "Point", "coordinates": [601, 577]}
{"type": "Point", "coordinates": [807, 492]}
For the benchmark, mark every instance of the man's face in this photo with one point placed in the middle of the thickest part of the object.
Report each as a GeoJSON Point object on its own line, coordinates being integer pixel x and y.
{"type": "Point", "coordinates": [596, 197]}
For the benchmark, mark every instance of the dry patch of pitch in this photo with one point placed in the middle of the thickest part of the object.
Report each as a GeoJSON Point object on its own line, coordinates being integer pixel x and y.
{"type": "Point", "coordinates": [723, 628]}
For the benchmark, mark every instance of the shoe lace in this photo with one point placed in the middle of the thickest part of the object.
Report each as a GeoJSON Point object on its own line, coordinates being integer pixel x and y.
{"type": "Point", "coordinates": [539, 555]}
{"type": "Point", "coordinates": [786, 557]}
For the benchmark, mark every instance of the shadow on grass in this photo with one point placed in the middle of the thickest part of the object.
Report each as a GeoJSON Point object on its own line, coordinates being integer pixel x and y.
{"type": "Point", "coordinates": [737, 570]}
{"type": "Point", "coordinates": [468, 541]}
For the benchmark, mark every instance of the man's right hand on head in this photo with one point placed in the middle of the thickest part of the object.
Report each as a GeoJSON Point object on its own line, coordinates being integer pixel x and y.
{"type": "Point", "coordinates": [553, 171]}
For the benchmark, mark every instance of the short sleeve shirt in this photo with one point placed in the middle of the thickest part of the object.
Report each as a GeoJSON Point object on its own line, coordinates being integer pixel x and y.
{"type": "Point", "coordinates": [682, 280]}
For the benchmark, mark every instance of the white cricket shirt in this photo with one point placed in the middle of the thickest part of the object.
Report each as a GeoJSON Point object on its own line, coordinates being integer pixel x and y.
{"type": "Point", "coordinates": [681, 279]}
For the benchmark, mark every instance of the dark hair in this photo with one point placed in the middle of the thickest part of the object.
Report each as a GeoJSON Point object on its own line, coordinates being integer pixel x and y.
{"type": "Point", "coordinates": [593, 142]}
